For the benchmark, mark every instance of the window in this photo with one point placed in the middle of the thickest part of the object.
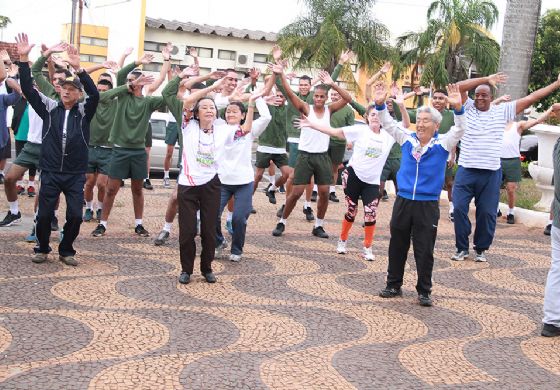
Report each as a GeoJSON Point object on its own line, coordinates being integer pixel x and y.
{"type": "Point", "coordinates": [94, 41]}
{"type": "Point", "coordinates": [260, 58]}
{"type": "Point", "coordinates": [226, 55]}
{"type": "Point", "coordinates": [204, 52]}
{"type": "Point", "coordinates": [152, 67]}
{"type": "Point", "coordinates": [204, 71]}
{"type": "Point", "coordinates": [92, 58]}
{"type": "Point", "coordinates": [154, 46]}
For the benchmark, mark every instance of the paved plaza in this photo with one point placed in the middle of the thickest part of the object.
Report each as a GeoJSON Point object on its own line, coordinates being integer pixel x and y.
{"type": "Point", "coordinates": [292, 315]}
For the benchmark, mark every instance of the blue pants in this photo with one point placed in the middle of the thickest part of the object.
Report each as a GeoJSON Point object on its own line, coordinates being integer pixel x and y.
{"type": "Point", "coordinates": [243, 203]}
{"type": "Point", "coordinates": [484, 186]}
{"type": "Point", "coordinates": [72, 186]}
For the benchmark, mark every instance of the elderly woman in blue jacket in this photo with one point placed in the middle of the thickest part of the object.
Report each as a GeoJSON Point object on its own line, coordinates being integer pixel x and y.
{"type": "Point", "coordinates": [420, 178]}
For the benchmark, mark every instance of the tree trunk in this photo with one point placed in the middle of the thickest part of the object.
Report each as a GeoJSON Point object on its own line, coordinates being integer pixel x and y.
{"type": "Point", "coordinates": [520, 30]}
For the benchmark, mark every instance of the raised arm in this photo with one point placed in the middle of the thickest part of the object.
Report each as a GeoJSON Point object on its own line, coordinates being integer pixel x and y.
{"type": "Point", "coordinates": [104, 65]}
{"type": "Point", "coordinates": [399, 101]}
{"type": "Point", "coordinates": [387, 122]}
{"type": "Point", "coordinates": [31, 94]}
{"type": "Point", "coordinates": [346, 98]}
{"type": "Point", "coordinates": [452, 137]}
{"type": "Point", "coordinates": [166, 54]}
{"type": "Point", "coordinates": [526, 125]}
{"type": "Point", "coordinates": [369, 83]}
{"type": "Point", "coordinates": [89, 86]}
{"type": "Point", "coordinates": [257, 126]}
{"type": "Point", "coordinates": [123, 56]}
{"type": "Point", "coordinates": [468, 84]}
{"type": "Point", "coordinates": [299, 104]}
{"type": "Point", "coordinates": [325, 129]}
{"type": "Point", "coordinates": [124, 71]}
{"type": "Point", "coordinates": [526, 102]}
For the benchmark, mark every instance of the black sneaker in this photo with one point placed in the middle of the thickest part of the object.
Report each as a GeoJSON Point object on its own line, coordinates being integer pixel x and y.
{"type": "Point", "coordinates": [184, 278]}
{"type": "Point", "coordinates": [122, 183]}
{"type": "Point", "coordinates": [510, 219]}
{"type": "Point", "coordinates": [148, 185]}
{"type": "Point", "coordinates": [99, 231]}
{"type": "Point", "coordinates": [54, 224]}
{"type": "Point", "coordinates": [308, 214]}
{"type": "Point", "coordinates": [549, 330]}
{"type": "Point", "coordinates": [314, 196]}
{"type": "Point", "coordinates": [280, 227]}
{"type": "Point", "coordinates": [318, 231]}
{"type": "Point", "coordinates": [424, 299]}
{"type": "Point", "coordinates": [282, 189]}
{"type": "Point", "coordinates": [11, 219]}
{"type": "Point", "coordinates": [390, 292]}
{"type": "Point", "coordinates": [139, 229]}
{"type": "Point", "coordinates": [547, 229]}
{"type": "Point", "coordinates": [271, 197]}
{"type": "Point", "coordinates": [210, 277]}
{"type": "Point", "coordinates": [499, 214]}
{"type": "Point", "coordinates": [253, 211]}
{"type": "Point", "coordinates": [267, 187]}
{"type": "Point", "coordinates": [385, 196]}
{"type": "Point", "coordinates": [280, 211]}
{"type": "Point", "coordinates": [333, 198]}
{"type": "Point", "coordinates": [451, 217]}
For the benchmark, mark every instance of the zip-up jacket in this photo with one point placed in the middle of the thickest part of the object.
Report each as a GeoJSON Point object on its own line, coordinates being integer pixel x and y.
{"type": "Point", "coordinates": [422, 170]}
{"type": "Point", "coordinates": [65, 152]}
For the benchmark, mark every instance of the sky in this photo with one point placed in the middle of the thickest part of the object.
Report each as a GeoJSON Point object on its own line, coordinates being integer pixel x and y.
{"type": "Point", "coordinates": [399, 16]}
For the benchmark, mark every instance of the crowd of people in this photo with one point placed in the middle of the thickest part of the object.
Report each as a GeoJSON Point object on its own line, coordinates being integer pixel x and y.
{"type": "Point", "coordinates": [80, 136]}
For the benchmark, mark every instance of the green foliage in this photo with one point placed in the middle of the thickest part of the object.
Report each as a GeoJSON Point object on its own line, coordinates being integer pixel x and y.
{"type": "Point", "coordinates": [546, 57]}
{"type": "Point", "coordinates": [318, 37]}
{"type": "Point", "coordinates": [4, 21]}
{"type": "Point", "coordinates": [456, 36]}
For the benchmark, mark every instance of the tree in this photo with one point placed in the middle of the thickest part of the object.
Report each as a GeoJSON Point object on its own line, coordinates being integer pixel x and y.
{"type": "Point", "coordinates": [4, 21]}
{"type": "Point", "coordinates": [316, 38]}
{"type": "Point", "coordinates": [546, 56]}
{"type": "Point", "coordinates": [456, 38]}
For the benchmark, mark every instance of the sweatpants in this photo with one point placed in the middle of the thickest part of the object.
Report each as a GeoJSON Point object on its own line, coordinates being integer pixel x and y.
{"type": "Point", "coordinates": [552, 289]}
{"type": "Point", "coordinates": [419, 219]}
{"type": "Point", "coordinates": [52, 185]}
{"type": "Point", "coordinates": [484, 186]}
{"type": "Point", "coordinates": [242, 206]}
{"type": "Point", "coordinates": [190, 199]}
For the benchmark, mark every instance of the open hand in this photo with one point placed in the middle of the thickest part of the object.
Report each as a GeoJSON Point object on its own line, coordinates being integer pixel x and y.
{"type": "Point", "coordinates": [23, 45]}
{"type": "Point", "coordinates": [325, 78]}
{"type": "Point", "coordinates": [146, 58]}
{"type": "Point", "coordinates": [276, 53]}
{"type": "Point", "coordinates": [497, 78]}
{"type": "Point", "coordinates": [302, 122]}
{"type": "Point", "coordinates": [345, 57]}
{"type": "Point", "coordinates": [142, 80]}
{"type": "Point", "coordinates": [454, 96]}
{"type": "Point", "coordinates": [73, 57]}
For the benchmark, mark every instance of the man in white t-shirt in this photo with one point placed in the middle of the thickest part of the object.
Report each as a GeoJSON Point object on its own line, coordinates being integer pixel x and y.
{"type": "Point", "coordinates": [479, 175]}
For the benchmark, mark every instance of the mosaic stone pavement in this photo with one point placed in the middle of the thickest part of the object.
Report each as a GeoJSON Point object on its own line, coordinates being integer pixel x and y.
{"type": "Point", "coordinates": [292, 315]}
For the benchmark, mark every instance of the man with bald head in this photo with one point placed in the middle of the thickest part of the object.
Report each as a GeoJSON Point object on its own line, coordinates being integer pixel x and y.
{"type": "Point", "coordinates": [479, 174]}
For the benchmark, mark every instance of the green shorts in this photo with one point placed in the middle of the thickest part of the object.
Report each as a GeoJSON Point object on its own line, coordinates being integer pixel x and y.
{"type": "Point", "coordinates": [336, 152]}
{"type": "Point", "coordinates": [511, 170]}
{"type": "Point", "coordinates": [263, 159]}
{"type": "Point", "coordinates": [313, 164]}
{"type": "Point", "coordinates": [148, 139]}
{"type": "Point", "coordinates": [171, 133]}
{"type": "Point", "coordinates": [128, 163]}
{"type": "Point", "coordinates": [293, 150]}
{"type": "Point", "coordinates": [99, 159]}
{"type": "Point", "coordinates": [390, 169]}
{"type": "Point", "coordinates": [29, 156]}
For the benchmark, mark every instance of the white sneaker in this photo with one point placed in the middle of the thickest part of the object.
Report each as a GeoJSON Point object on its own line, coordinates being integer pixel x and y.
{"type": "Point", "coordinates": [341, 247]}
{"type": "Point", "coordinates": [166, 182]}
{"type": "Point", "coordinates": [220, 248]}
{"type": "Point", "coordinates": [480, 257]}
{"type": "Point", "coordinates": [368, 254]}
{"type": "Point", "coordinates": [460, 255]}
{"type": "Point", "coordinates": [235, 258]}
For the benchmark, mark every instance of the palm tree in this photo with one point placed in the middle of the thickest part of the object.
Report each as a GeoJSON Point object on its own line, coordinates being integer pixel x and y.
{"type": "Point", "coordinates": [455, 39]}
{"type": "Point", "coordinates": [316, 38]}
{"type": "Point", "coordinates": [520, 29]}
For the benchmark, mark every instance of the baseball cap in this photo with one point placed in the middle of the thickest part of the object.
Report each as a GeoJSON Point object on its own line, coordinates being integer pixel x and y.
{"type": "Point", "coordinates": [74, 81]}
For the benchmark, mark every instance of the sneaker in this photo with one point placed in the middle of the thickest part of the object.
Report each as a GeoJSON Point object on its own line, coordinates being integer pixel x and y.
{"type": "Point", "coordinates": [184, 278]}
{"type": "Point", "coordinates": [368, 254]}
{"type": "Point", "coordinates": [549, 330]}
{"type": "Point", "coordinates": [11, 219]}
{"type": "Point", "coordinates": [147, 184]}
{"type": "Point", "coordinates": [341, 247]}
{"type": "Point", "coordinates": [31, 191]}
{"type": "Point", "coordinates": [166, 182]}
{"type": "Point", "coordinates": [235, 258]}
{"type": "Point", "coordinates": [280, 227]}
{"type": "Point", "coordinates": [253, 211]}
{"type": "Point", "coordinates": [210, 278]}
{"type": "Point", "coordinates": [318, 231]}
{"type": "Point", "coordinates": [480, 257]}
{"type": "Point", "coordinates": [40, 257]}
{"type": "Point", "coordinates": [1, 178]}
{"type": "Point", "coordinates": [271, 197]}
{"type": "Point", "coordinates": [267, 187]}
{"type": "Point", "coordinates": [122, 183]}
{"type": "Point", "coordinates": [220, 249]}
{"type": "Point", "coordinates": [60, 235]}
{"type": "Point", "coordinates": [54, 224]}
{"type": "Point", "coordinates": [229, 227]}
{"type": "Point", "coordinates": [390, 292]}
{"type": "Point", "coordinates": [282, 189]}
{"type": "Point", "coordinates": [139, 229]}
{"type": "Point", "coordinates": [98, 215]}
{"type": "Point", "coordinates": [99, 231]}
{"type": "Point", "coordinates": [162, 238]}
{"type": "Point", "coordinates": [499, 214]}
{"type": "Point", "coordinates": [510, 219]}
{"type": "Point", "coordinates": [451, 217]}
{"type": "Point", "coordinates": [308, 214]}
{"type": "Point", "coordinates": [88, 215]}
{"type": "Point", "coordinates": [385, 196]}
{"type": "Point", "coordinates": [547, 229]}
{"type": "Point", "coordinates": [280, 211]}
{"type": "Point", "coordinates": [460, 255]}
{"type": "Point", "coordinates": [314, 196]}
{"type": "Point", "coordinates": [68, 260]}
{"type": "Point", "coordinates": [20, 190]}
{"type": "Point", "coordinates": [424, 299]}
{"type": "Point", "coordinates": [31, 237]}
{"type": "Point", "coordinates": [333, 198]}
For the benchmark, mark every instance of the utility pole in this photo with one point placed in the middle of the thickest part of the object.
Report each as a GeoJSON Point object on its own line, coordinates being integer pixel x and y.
{"type": "Point", "coordinates": [80, 9]}
{"type": "Point", "coordinates": [73, 23]}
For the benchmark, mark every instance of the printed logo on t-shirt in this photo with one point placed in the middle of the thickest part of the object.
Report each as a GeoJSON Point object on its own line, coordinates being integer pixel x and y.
{"type": "Point", "coordinates": [374, 149]}
{"type": "Point", "coordinates": [205, 154]}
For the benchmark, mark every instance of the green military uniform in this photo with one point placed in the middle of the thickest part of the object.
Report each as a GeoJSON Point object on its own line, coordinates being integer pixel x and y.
{"type": "Point", "coordinates": [274, 136]}
{"type": "Point", "coordinates": [43, 84]}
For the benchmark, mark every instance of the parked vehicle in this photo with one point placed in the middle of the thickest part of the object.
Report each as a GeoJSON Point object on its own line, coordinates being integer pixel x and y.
{"type": "Point", "coordinates": [159, 122]}
{"type": "Point", "coordinates": [529, 147]}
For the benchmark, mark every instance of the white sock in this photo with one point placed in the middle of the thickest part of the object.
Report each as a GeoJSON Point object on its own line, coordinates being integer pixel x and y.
{"type": "Point", "coordinates": [282, 220]}
{"type": "Point", "coordinates": [315, 187]}
{"type": "Point", "coordinates": [550, 221]}
{"type": "Point", "coordinates": [89, 205]}
{"type": "Point", "coordinates": [197, 214]}
{"type": "Point", "coordinates": [271, 179]}
{"type": "Point", "coordinates": [1, 172]}
{"type": "Point", "coordinates": [318, 222]}
{"type": "Point", "coordinates": [138, 222]}
{"type": "Point", "coordinates": [306, 204]}
{"type": "Point", "coordinates": [104, 223]}
{"type": "Point", "coordinates": [166, 174]}
{"type": "Point", "coordinates": [14, 207]}
{"type": "Point", "coordinates": [332, 189]}
{"type": "Point", "coordinates": [273, 187]}
{"type": "Point", "coordinates": [512, 211]}
{"type": "Point", "coordinates": [167, 226]}
{"type": "Point", "coordinates": [31, 183]}
{"type": "Point", "coordinates": [99, 205]}
{"type": "Point", "coordinates": [229, 216]}
{"type": "Point", "coordinates": [19, 183]}
{"type": "Point", "coordinates": [451, 207]}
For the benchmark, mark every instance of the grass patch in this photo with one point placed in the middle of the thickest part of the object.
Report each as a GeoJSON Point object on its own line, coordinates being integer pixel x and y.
{"type": "Point", "coordinates": [527, 194]}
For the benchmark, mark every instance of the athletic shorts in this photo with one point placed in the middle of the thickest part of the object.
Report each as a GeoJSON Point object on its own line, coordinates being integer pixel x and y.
{"type": "Point", "coordinates": [148, 139]}
{"type": "Point", "coordinates": [263, 159]}
{"type": "Point", "coordinates": [6, 151]}
{"type": "Point", "coordinates": [293, 150]}
{"type": "Point", "coordinates": [355, 189]}
{"type": "Point", "coordinates": [29, 156]}
{"type": "Point", "coordinates": [336, 152]}
{"type": "Point", "coordinates": [128, 163]}
{"type": "Point", "coordinates": [313, 164]}
{"type": "Point", "coordinates": [511, 170]}
{"type": "Point", "coordinates": [171, 133]}
{"type": "Point", "coordinates": [99, 159]}
{"type": "Point", "coordinates": [390, 169]}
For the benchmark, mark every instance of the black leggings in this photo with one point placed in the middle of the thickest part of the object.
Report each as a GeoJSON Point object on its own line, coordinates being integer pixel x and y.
{"type": "Point", "coordinates": [19, 148]}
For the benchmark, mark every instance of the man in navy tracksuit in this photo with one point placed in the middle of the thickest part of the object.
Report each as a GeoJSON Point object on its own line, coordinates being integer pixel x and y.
{"type": "Point", "coordinates": [64, 150]}
{"type": "Point", "coordinates": [420, 177]}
